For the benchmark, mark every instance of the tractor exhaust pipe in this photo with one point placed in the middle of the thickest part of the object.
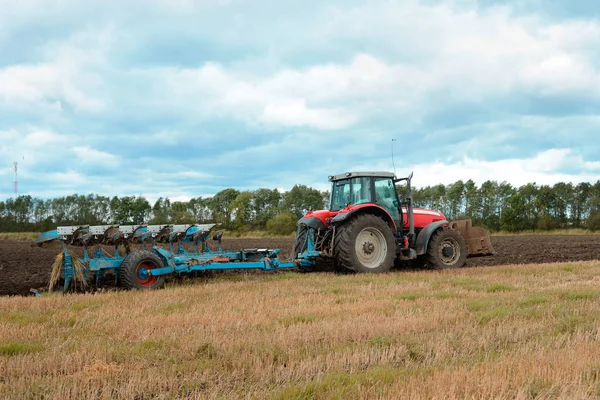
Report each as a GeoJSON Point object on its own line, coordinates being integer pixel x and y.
{"type": "Point", "coordinates": [409, 209]}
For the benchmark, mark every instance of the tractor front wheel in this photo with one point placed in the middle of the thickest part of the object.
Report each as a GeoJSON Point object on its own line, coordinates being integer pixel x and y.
{"type": "Point", "coordinates": [365, 244]}
{"type": "Point", "coordinates": [133, 273]}
{"type": "Point", "coordinates": [447, 249]}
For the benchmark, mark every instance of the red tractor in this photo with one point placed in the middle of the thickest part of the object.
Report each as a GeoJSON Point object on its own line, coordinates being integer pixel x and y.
{"type": "Point", "coordinates": [367, 228]}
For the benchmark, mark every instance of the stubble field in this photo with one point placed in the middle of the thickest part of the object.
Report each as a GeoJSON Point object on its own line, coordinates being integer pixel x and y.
{"type": "Point", "coordinates": [506, 332]}
{"type": "Point", "coordinates": [511, 331]}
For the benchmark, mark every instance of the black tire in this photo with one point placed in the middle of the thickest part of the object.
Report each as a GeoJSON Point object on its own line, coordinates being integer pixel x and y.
{"type": "Point", "coordinates": [301, 241]}
{"type": "Point", "coordinates": [300, 246]}
{"type": "Point", "coordinates": [365, 244]}
{"type": "Point", "coordinates": [128, 273]}
{"type": "Point", "coordinates": [447, 249]}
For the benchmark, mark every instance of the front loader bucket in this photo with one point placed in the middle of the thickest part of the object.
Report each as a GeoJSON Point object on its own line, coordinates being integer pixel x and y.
{"type": "Point", "coordinates": [478, 239]}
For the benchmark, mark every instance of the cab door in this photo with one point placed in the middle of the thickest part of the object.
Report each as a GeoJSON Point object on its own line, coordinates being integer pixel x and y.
{"type": "Point", "coordinates": [386, 197]}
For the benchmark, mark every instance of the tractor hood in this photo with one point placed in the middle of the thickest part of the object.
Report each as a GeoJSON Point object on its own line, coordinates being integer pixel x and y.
{"type": "Point", "coordinates": [322, 218]}
{"type": "Point", "coordinates": [423, 217]}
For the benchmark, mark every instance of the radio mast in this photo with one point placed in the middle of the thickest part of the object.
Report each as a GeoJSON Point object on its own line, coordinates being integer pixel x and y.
{"type": "Point", "coordinates": [16, 182]}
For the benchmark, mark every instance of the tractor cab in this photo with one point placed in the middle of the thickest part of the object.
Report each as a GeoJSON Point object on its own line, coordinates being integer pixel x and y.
{"type": "Point", "coordinates": [356, 188]}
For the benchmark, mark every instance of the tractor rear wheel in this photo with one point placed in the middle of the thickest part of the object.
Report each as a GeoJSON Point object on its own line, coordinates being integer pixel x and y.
{"type": "Point", "coordinates": [365, 244]}
{"type": "Point", "coordinates": [447, 249]}
{"type": "Point", "coordinates": [300, 246]}
{"type": "Point", "coordinates": [133, 273]}
{"type": "Point", "coordinates": [301, 241]}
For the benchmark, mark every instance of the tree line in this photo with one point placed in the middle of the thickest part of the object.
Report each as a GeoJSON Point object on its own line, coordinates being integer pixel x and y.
{"type": "Point", "coordinates": [241, 211]}
{"type": "Point", "coordinates": [496, 206]}
{"type": "Point", "coordinates": [501, 206]}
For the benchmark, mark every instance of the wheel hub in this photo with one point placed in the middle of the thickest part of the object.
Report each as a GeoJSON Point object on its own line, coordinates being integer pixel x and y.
{"type": "Point", "coordinates": [371, 247]}
{"type": "Point", "coordinates": [368, 247]}
{"type": "Point", "coordinates": [449, 251]}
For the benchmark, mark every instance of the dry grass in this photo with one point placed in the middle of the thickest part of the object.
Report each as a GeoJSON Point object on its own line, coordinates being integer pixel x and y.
{"type": "Point", "coordinates": [257, 235]}
{"type": "Point", "coordinates": [508, 332]}
{"type": "Point", "coordinates": [18, 235]}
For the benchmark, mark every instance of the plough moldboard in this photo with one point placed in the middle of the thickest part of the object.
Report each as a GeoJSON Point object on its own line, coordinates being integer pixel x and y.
{"type": "Point", "coordinates": [186, 250]}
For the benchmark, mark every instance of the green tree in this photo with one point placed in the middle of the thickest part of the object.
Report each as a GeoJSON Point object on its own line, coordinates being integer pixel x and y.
{"type": "Point", "coordinates": [180, 213]}
{"type": "Point", "coordinates": [580, 205]}
{"type": "Point", "coordinates": [241, 208]}
{"type": "Point", "coordinates": [161, 211]}
{"type": "Point", "coordinates": [221, 208]}
{"type": "Point", "coordinates": [302, 198]}
{"type": "Point", "coordinates": [512, 218]}
{"type": "Point", "coordinates": [282, 224]}
{"type": "Point", "coordinates": [455, 198]}
{"type": "Point", "coordinates": [529, 193]}
{"type": "Point", "coordinates": [265, 206]}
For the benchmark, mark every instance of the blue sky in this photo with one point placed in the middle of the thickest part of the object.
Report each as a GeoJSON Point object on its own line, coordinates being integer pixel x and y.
{"type": "Point", "coordinates": [181, 98]}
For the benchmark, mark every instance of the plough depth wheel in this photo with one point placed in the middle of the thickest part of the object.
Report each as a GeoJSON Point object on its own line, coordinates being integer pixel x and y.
{"type": "Point", "coordinates": [134, 271]}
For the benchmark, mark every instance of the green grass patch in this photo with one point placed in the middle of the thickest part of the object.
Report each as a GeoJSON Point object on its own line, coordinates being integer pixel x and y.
{"type": "Point", "coordinates": [15, 348]}
{"type": "Point", "coordinates": [19, 235]}
{"type": "Point", "coordinates": [409, 296]}
{"type": "Point", "coordinates": [346, 300]}
{"type": "Point", "coordinates": [296, 319]}
{"type": "Point", "coordinates": [533, 301]}
{"type": "Point", "coordinates": [207, 351]}
{"type": "Point", "coordinates": [84, 305]}
{"type": "Point", "coordinates": [381, 341]}
{"type": "Point", "coordinates": [481, 304]}
{"type": "Point", "coordinates": [23, 318]}
{"type": "Point", "coordinates": [173, 308]}
{"type": "Point", "coordinates": [499, 288]}
{"type": "Point", "coordinates": [487, 310]}
{"type": "Point", "coordinates": [468, 284]}
{"type": "Point", "coordinates": [448, 295]}
{"type": "Point", "coordinates": [343, 385]}
{"type": "Point", "coordinates": [571, 324]}
{"type": "Point", "coordinates": [579, 295]}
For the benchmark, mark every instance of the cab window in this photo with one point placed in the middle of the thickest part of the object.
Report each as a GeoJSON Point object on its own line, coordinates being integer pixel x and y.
{"type": "Point", "coordinates": [385, 194]}
{"type": "Point", "coordinates": [350, 191]}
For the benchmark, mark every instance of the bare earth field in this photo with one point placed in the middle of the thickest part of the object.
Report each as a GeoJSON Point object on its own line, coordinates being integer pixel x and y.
{"type": "Point", "coordinates": [508, 332]}
{"type": "Point", "coordinates": [23, 267]}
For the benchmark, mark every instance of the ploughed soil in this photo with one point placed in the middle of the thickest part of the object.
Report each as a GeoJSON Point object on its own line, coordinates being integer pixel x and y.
{"type": "Point", "coordinates": [23, 267]}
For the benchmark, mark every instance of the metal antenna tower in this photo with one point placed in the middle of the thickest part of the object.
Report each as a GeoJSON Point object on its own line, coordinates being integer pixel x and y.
{"type": "Point", "coordinates": [393, 163]}
{"type": "Point", "coordinates": [16, 182]}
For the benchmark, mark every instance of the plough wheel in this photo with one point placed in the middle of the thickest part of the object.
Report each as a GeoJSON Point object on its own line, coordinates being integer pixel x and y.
{"type": "Point", "coordinates": [133, 271]}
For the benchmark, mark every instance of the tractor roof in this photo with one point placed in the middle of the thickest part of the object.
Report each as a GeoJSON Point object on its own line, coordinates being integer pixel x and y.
{"type": "Point", "coordinates": [346, 175]}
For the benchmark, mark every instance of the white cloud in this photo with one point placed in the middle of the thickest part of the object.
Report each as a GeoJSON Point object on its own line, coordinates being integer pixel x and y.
{"type": "Point", "coordinates": [544, 168]}
{"type": "Point", "coordinates": [68, 179]}
{"type": "Point", "coordinates": [465, 56]}
{"type": "Point", "coordinates": [66, 72]}
{"type": "Point", "coordinates": [366, 73]}
{"type": "Point", "coordinates": [296, 113]}
{"type": "Point", "coordinates": [88, 155]}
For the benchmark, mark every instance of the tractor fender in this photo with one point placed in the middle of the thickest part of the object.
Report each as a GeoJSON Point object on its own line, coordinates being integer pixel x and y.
{"type": "Point", "coordinates": [370, 209]}
{"type": "Point", "coordinates": [425, 234]}
{"type": "Point", "coordinates": [314, 223]}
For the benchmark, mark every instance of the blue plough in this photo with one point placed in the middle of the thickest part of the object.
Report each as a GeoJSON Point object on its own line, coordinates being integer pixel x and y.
{"type": "Point", "coordinates": [147, 268]}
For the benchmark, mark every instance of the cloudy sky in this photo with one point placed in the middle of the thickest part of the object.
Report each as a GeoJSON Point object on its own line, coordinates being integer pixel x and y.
{"type": "Point", "coordinates": [181, 98]}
